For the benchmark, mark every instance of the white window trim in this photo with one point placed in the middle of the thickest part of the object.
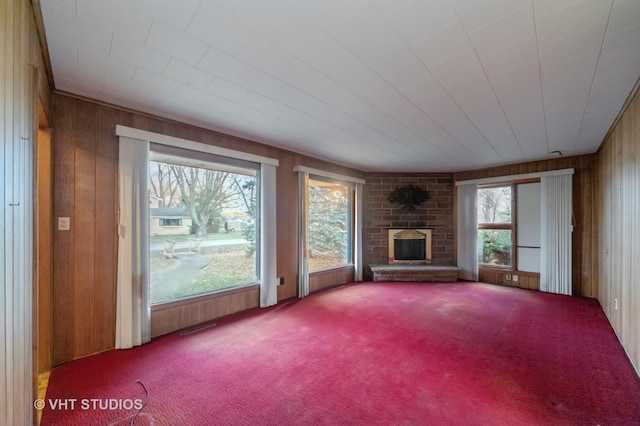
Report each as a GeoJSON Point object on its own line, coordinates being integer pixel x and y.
{"type": "Point", "coordinates": [331, 175]}
{"type": "Point", "coordinates": [192, 145]}
{"type": "Point", "coordinates": [501, 179]}
{"type": "Point", "coordinates": [357, 219]}
{"type": "Point", "coordinates": [268, 218]}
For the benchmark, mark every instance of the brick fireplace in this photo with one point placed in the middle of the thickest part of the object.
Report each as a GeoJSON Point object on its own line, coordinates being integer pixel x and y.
{"type": "Point", "coordinates": [436, 214]}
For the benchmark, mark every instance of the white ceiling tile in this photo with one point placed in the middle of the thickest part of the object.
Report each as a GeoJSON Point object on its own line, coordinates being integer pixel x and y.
{"type": "Point", "coordinates": [223, 65]}
{"type": "Point", "coordinates": [625, 14]}
{"type": "Point", "coordinates": [464, 67]}
{"type": "Point", "coordinates": [575, 18]}
{"type": "Point", "coordinates": [587, 42]}
{"type": "Point", "coordinates": [219, 29]}
{"type": "Point", "coordinates": [177, 13]}
{"type": "Point", "coordinates": [365, 28]}
{"type": "Point", "coordinates": [155, 82]}
{"type": "Point", "coordinates": [611, 86]}
{"type": "Point", "coordinates": [475, 14]}
{"type": "Point", "coordinates": [174, 43]}
{"type": "Point", "coordinates": [616, 70]}
{"type": "Point", "coordinates": [118, 74]}
{"type": "Point", "coordinates": [123, 17]}
{"type": "Point", "coordinates": [187, 74]}
{"type": "Point", "coordinates": [626, 40]}
{"type": "Point", "coordinates": [274, 22]}
{"type": "Point", "coordinates": [195, 97]}
{"type": "Point", "coordinates": [525, 118]}
{"type": "Point", "coordinates": [66, 30]}
{"type": "Point", "coordinates": [387, 7]}
{"type": "Point", "coordinates": [387, 54]}
{"type": "Point", "coordinates": [139, 55]}
{"type": "Point", "coordinates": [563, 127]}
{"type": "Point", "coordinates": [331, 12]}
{"type": "Point", "coordinates": [427, 93]}
{"type": "Point", "coordinates": [86, 74]}
{"type": "Point", "coordinates": [512, 29]}
{"type": "Point", "coordinates": [576, 72]}
{"type": "Point", "coordinates": [546, 7]}
{"type": "Point", "coordinates": [512, 57]}
{"type": "Point", "coordinates": [286, 114]}
{"type": "Point", "coordinates": [593, 131]}
{"type": "Point", "coordinates": [264, 55]}
{"type": "Point", "coordinates": [417, 19]}
{"type": "Point", "coordinates": [228, 90]}
{"type": "Point", "coordinates": [481, 106]}
{"type": "Point", "coordinates": [265, 85]}
{"type": "Point", "coordinates": [229, 107]}
{"type": "Point", "coordinates": [443, 44]}
{"type": "Point", "coordinates": [296, 103]}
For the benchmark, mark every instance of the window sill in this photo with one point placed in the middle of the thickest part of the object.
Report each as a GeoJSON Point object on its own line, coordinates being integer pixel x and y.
{"type": "Point", "coordinates": [505, 268]}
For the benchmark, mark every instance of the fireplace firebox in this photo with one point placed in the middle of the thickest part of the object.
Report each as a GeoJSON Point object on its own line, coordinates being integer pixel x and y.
{"type": "Point", "coordinates": [412, 246]}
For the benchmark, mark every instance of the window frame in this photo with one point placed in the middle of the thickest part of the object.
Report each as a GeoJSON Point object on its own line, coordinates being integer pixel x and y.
{"type": "Point", "coordinates": [187, 158]}
{"type": "Point", "coordinates": [350, 223]}
{"type": "Point", "coordinates": [512, 226]}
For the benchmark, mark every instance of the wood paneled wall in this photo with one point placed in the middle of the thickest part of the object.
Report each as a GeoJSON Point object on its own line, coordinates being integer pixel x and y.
{"type": "Point", "coordinates": [20, 66]}
{"type": "Point", "coordinates": [529, 280]}
{"type": "Point", "coordinates": [45, 253]}
{"type": "Point", "coordinates": [618, 214]}
{"type": "Point", "coordinates": [325, 279]}
{"type": "Point", "coordinates": [85, 189]}
{"type": "Point", "coordinates": [168, 317]}
{"type": "Point", "coordinates": [585, 252]}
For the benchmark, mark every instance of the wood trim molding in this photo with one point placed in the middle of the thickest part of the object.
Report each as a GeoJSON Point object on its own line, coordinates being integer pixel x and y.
{"type": "Point", "coordinates": [42, 38]}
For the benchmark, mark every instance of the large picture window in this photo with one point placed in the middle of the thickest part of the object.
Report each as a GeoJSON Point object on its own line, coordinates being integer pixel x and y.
{"type": "Point", "coordinates": [495, 226]}
{"type": "Point", "coordinates": [330, 224]}
{"type": "Point", "coordinates": [209, 244]}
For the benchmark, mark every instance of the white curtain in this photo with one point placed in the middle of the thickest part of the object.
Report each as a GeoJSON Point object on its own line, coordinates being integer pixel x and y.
{"type": "Point", "coordinates": [357, 231]}
{"type": "Point", "coordinates": [132, 309]}
{"type": "Point", "coordinates": [268, 246]}
{"type": "Point", "coordinates": [555, 241]}
{"type": "Point", "coordinates": [467, 232]}
{"type": "Point", "coordinates": [303, 271]}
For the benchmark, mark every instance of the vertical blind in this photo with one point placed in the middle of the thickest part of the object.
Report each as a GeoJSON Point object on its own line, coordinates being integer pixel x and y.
{"type": "Point", "coordinates": [555, 238]}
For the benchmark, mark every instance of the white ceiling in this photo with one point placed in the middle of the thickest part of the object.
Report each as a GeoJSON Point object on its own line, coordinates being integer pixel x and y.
{"type": "Point", "coordinates": [379, 85]}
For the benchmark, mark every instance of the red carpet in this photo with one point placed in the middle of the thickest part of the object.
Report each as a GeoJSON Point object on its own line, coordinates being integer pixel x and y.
{"type": "Point", "coordinates": [371, 353]}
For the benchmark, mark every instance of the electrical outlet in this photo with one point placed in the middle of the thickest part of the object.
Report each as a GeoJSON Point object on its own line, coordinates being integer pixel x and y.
{"type": "Point", "coordinates": [64, 223]}
{"type": "Point", "coordinates": [615, 304]}
{"type": "Point", "coordinates": [515, 278]}
{"type": "Point", "coordinates": [507, 277]}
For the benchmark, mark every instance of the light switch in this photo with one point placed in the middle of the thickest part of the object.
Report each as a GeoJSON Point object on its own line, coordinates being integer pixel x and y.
{"type": "Point", "coordinates": [64, 223]}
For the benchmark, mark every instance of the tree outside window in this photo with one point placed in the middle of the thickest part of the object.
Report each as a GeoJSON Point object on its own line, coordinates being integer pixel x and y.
{"type": "Point", "coordinates": [208, 244]}
{"type": "Point", "coordinates": [329, 224]}
{"type": "Point", "coordinates": [495, 228]}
